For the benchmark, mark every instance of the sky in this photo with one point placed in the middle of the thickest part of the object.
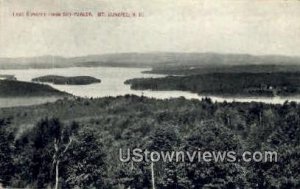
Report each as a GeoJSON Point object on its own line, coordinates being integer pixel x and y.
{"type": "Point", "coordinates": [223, 26]}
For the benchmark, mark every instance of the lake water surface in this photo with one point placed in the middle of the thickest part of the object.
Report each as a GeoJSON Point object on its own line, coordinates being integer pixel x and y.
{"type": "Point", "coordinates": [112, 84]}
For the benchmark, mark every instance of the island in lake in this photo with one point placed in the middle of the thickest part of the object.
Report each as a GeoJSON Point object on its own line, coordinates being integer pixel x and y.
{"type": "Point", "coordinates": [62, 80]}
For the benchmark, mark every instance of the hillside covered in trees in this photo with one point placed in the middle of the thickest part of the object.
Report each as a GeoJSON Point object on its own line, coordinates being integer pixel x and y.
{"type": "Point", "coordinates": [226, 84]}
{"type": "Point", "coordinates": [75, 143]}
{"type": "Point", "coordinates": [13, 88]}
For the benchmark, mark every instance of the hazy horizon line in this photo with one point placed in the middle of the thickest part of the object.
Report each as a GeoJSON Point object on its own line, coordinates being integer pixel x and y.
{"type": "Point", "coordinates": [152, 52]}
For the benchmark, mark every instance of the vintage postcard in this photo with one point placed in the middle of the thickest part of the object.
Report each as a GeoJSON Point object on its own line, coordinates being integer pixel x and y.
{"type": "Point", "coordinates": [160, 94]}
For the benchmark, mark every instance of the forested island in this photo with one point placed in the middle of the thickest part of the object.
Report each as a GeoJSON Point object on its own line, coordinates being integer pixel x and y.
{"type": "Point", "coordinates": [74, 143]}
{"type": "Point", "coordinates": [62, 80]}
{"type": "Point", "coordinates": [226, 84]}
{"type": "Point", "coordinates": [13, 88]}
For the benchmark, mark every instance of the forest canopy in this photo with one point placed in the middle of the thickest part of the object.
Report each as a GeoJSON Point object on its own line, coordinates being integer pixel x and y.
{"type": "Point", "coordinates": [52, 145]}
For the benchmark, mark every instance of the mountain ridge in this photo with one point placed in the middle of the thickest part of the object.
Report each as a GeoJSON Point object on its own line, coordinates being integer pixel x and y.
{"type": "Point", "coordinates": [152, 59]}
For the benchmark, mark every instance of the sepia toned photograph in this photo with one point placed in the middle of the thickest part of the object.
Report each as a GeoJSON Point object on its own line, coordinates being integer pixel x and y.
{"type": "Point", "coordinates": [140, 94]}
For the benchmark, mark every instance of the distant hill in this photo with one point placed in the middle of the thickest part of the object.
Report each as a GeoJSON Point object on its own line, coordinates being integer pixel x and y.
{"type": "Point", "coordinates": [146, 60]}
{"type": "Point", "coordinates": [61, 80]}
{"type": "Point", "coordinates": [10, 88]}
{"type": "Point", "coordinates": [205, 69]}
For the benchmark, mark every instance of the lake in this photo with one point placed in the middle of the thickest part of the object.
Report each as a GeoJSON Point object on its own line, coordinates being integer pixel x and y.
{"type": "Point", "coordinates": [112, 84]}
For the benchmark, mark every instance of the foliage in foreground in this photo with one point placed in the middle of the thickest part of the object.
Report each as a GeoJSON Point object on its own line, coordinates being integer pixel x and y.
{"type": "Point", "coordinates": [88, 149]}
